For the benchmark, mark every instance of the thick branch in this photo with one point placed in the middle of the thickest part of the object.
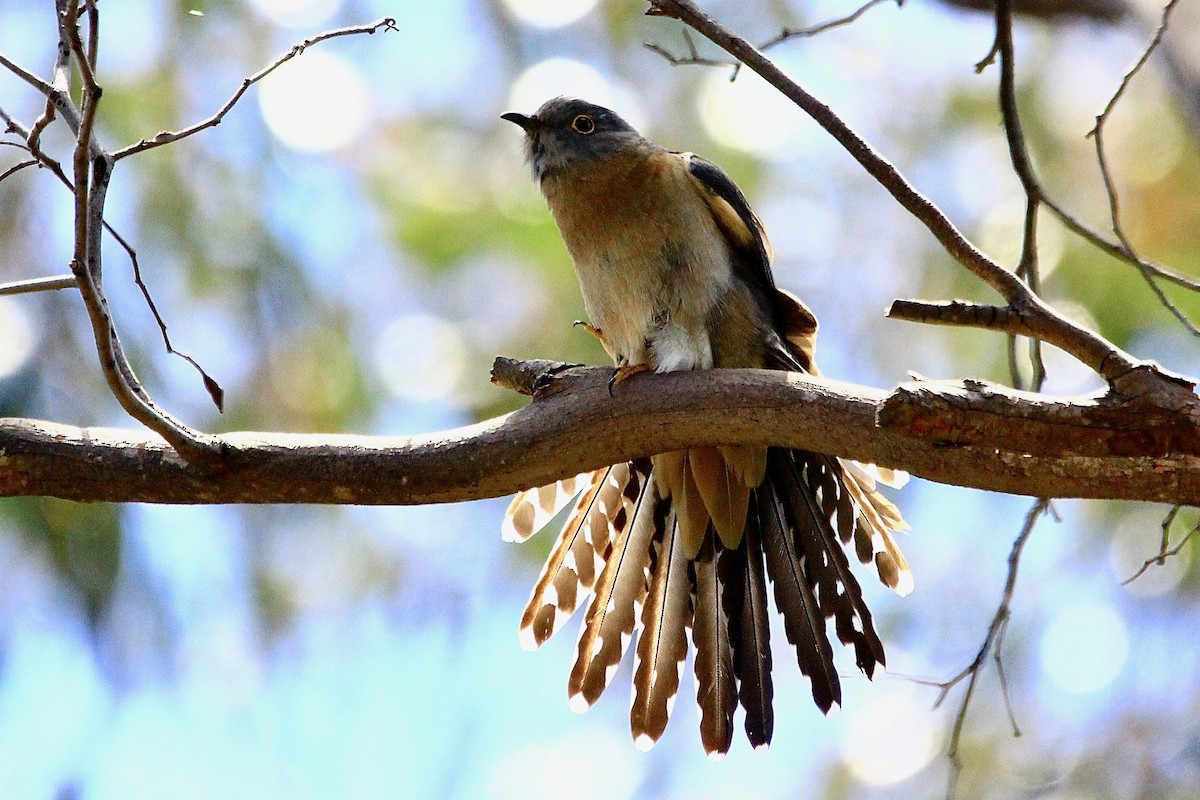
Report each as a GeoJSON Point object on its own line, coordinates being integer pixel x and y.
{"type": "Point", "coordinates": [979, 437]}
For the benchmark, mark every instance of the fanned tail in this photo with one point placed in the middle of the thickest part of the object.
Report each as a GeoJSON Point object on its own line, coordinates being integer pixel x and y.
{"type": "Point", "coordinates": [670, 544]}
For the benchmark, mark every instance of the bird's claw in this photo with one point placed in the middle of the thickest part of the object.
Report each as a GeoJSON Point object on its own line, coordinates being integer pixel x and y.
{"type": "Point", "coordinates": [623, 373]}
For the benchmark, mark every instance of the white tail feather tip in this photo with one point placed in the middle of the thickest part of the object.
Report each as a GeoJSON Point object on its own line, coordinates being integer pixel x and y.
{"type": "Point", "coordinates": [578, 703]}
{"type": "Point", "coordinates": [527, 639]}
{"type": "Point", "coordinates": [643, 742]}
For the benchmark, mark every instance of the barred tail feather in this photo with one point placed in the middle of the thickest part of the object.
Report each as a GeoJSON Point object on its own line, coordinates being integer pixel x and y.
{"type": "Point", "coordinates": [803, 621]}
{"type": "Point", "coordinates": [744, 595]}
{"type": "Point", "coordinates": [620, 593]}
{"type": "Point", "coordinates": [531, 509]}
{"type": "Point", "coordinates": [662, 638]}
{"type": "Point", "coordinates": [715, 691]}
{"type": "Point", "coordinates": [838, 592]}
{"type": "Point", "coordinates": [571, 569]}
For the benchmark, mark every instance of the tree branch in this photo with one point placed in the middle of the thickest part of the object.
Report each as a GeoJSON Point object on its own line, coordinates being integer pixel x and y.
{"type": "Point", "coordinates": [969, 435]}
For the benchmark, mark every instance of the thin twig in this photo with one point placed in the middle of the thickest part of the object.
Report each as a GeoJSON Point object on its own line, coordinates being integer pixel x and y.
{"type": "Point", "coordinates": [92, 174]}
{"type": "Point", "coordinates": [210, 384]}
{"type": "Point", "coordinates": [20, 165]}
{"type": "Point", "coordinates": [1110, 187]}
{"type": "Point", "coordinates": [694, 57]}
{"type": "Point", "coordinates": [992, 643]}
{"type": "Point", "coordinates": [1163, 552]}
{"type": "Point", "coordinates": [30, 285]}
{"type": "Point", "coordinates": [166, 137]}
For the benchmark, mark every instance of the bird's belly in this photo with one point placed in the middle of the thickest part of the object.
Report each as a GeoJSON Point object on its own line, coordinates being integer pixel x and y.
{"type": "Point", "coordinates": [644, 318]}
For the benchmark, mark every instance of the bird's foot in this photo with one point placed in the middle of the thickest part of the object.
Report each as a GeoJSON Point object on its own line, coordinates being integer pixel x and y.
{"type": "Point", "coordinates": [593, 330]}
{"type": "Point", "coordinates": [623, 373]}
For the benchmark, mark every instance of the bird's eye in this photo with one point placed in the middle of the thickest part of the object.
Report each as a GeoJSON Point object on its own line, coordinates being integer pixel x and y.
{"type": "Point", "coordinates": [583, 124]}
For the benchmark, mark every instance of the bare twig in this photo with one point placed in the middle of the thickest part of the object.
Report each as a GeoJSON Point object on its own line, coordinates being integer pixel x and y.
{"type": "Point", "coordinates": [15, 168]}
{"type": "Point", "coordinates": [38, 285]}
{"type": "Point", "coordinates": [992, 645]}
{"type": "Point", "coordinates": [166, 137]}
{"type": "Point", "coordinates": [41, 158]}
{"type": "Point", "coordinates": [1121, 370]}
{"type": "Point", "coordinates": [1027, 267]}
{"type": "Point", "coordinates": [1165, 551]}
{"type": "Point", "coordinates": [694, 57]}
{"type": "Point", "coordinates": [1110, 187]}
{"type": "Point", "coordinates": [91, 177]}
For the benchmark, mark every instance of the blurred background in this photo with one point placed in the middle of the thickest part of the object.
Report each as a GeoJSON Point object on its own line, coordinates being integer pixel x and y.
{"type": "Point", "coordinates": [359, 238]}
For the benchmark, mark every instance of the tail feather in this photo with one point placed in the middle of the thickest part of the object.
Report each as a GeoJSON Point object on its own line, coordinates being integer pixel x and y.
{"type": "Point", "coordinates": [803, 620]}
{"type": "Point", "coordinates": [716, 693]}
{"type": "Point", "coordinates": [837, 590]}
{"type": "Point", "coordinates": [620, 593]}
{"type": "Point", "coordinates": [661, 545]}
{"type": "Point", "coordinates": [662, 638]}
{"type": "Point", "coordinates": [531, 509]}
{"type": "Point", "coordinates": [571, 569]}
{"type": "Point", "coordinates": [744, 595]}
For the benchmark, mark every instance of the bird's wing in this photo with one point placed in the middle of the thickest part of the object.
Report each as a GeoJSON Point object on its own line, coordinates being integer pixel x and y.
{"type": "Point", "coordinates": [795, 324]}
{"type": "Point", "coordinates": [736, 219]}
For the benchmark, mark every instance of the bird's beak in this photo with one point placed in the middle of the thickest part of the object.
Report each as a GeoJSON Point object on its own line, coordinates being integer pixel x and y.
{"type": "Point", "coordinates": [527, 123]}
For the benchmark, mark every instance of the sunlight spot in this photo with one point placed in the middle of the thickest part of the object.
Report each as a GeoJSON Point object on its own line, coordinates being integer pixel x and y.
{"type": "Point", "coordinates": [1084, 648]}
{"type": "Point", "coordinates": [1136, 537]}
{"type": "Point", "coordinates": [891, 739]}
{"type": "Point", "coordinates": [315, 103]}
{"type": "Point", "coordinates": [553, 769]}
{"type": "Point", "coordinates": [550, 13]}
{"type": "Point", "coordinates": [748, 114]}
{"type": "Point", "coordinates": [297, 13]}
{"type": "Point", "coordinates": [16, 337]}
{"type": "Point", "coordinates": [420, 357]}
{"type": "Point", "coordinates": [1002, 233]}
{"type": "Point", "coordinates": [563, 76]}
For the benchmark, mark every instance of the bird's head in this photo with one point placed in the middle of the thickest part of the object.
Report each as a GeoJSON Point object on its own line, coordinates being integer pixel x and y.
{"type": "Point", "coordinates": [567, 133]}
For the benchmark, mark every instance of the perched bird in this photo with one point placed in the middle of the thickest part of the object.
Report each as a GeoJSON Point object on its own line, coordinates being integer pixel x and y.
{"type": "Point", "coordinates": [675, 272]}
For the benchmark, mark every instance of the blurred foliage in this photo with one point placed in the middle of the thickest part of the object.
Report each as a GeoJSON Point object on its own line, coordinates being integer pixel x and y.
{"type": "Point", "coordinates": [282, 272]}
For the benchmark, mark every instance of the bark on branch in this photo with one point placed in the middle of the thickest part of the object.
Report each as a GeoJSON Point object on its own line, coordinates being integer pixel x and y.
{"type": "Point", "coordinates": [968, 434]}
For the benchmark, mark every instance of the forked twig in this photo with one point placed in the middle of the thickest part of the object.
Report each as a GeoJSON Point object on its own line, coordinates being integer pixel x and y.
{"type": "Point", "coordinates": [1165, 551]}
{"type": "Point", "coordinates": [694, 57]}
{"type": "Point", "coordinates": [166, 137]}
{"type": "Point", "coordinates": [992, 645]}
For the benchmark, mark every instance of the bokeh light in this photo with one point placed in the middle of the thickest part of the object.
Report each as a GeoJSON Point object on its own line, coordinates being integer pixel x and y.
{"type": "Point", "coordinates": [1084, 648]}
{"type": "Point", "coordinates": [550, 13]}
{"type": "Point", "coordinates": [16, 336]}
{"type": "Point", "coordinates": [420, 357]}
{"type": "Point", "coordinates": [297, 13]}
{"type": "Point", "coordinates": [564, 76]}
{"type": "Point", "coordinates": [315, 103]}
{"type": "Point", "coordinates": [748, 114]}
{"type": "Point", "coordinates": [891, 738]}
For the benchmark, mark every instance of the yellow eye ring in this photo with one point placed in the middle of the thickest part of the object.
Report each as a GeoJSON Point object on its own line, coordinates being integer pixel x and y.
{"type": "Point", "coordinates": [583, 124]}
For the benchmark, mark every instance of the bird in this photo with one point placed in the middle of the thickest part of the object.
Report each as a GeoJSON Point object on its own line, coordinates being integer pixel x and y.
{"type": "Point", "coordinates": [675, 272]}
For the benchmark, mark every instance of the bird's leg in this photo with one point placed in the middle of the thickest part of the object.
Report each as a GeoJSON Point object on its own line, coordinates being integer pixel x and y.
{"type": "Point", "coordinates": [594, 331]}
